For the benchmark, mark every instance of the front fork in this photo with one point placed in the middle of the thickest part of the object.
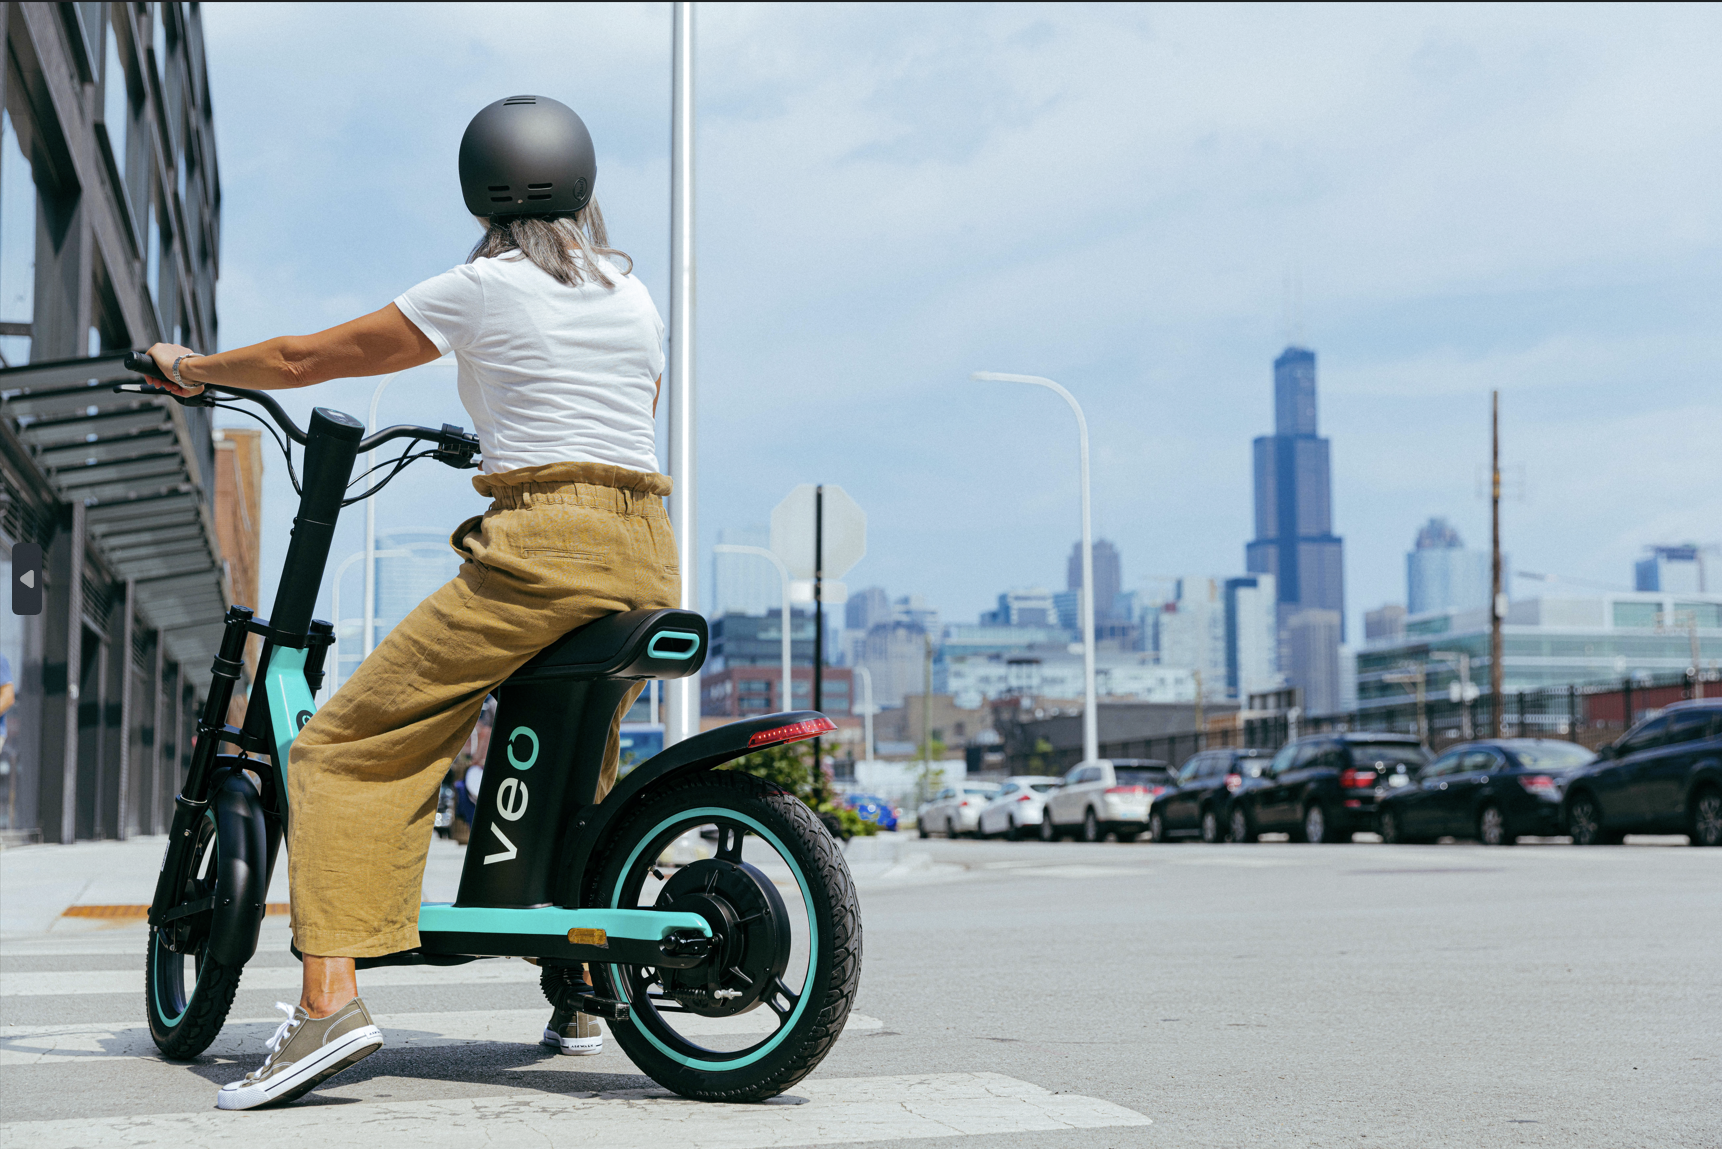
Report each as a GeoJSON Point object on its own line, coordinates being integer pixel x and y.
{"type": "Point", "coordinates": [209, 766]}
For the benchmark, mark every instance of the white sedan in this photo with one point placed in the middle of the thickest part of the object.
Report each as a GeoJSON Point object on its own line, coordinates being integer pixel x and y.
{"type": "Point", "coordinates": [955, 810]}
{"type": "Point", "coordinates": [1018, 804]}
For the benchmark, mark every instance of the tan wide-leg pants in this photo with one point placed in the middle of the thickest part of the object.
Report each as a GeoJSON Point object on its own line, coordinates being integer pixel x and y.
{"type": "Point", "coordinates": [560, 546]}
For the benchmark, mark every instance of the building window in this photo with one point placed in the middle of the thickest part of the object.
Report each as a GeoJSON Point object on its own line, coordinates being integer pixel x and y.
{"type": "Point", "coordinates": [17, 246]}
{"type": "Point", "coordinates": [116, 105]}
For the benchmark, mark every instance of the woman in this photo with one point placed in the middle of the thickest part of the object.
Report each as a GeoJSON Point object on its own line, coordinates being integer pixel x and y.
{"type": "Point", "coordinates": [560, 358]}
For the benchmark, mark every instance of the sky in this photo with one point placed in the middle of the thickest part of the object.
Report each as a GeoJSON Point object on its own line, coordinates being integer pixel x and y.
{"type": "Point", "coordinates": [1144, 203]}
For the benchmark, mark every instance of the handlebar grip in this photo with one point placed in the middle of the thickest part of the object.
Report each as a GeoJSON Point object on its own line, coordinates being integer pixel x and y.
{"type": "Point", "coordinates": [138, 363]}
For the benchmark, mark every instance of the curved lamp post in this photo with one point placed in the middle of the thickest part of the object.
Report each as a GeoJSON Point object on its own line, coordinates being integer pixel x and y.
{"type": "Point", "coordinates": [1090, 715]}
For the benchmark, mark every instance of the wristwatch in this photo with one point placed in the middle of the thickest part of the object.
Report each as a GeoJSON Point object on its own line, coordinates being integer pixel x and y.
{"type": "Point", "coordinates": [175, 372]}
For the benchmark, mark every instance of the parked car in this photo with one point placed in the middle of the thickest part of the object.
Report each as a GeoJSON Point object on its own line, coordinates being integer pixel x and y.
{"type": "Point", "coordinates": [1107, 796]}
{"type": "Point", "coordinates": [1018, 804]}
{"type": "Point", "coordinates": [956, 810]}
{"type": "Point", "coordinates": [443, 823]}
{"type": "Point", "coordinates": [1664, 776]}
{"type": "Point", "coordinates": [873, 808]}
{"type": "Point", "coordinates": [1324, 788]}
{"type": "Point", "coordinates": [1494, 791]}
{"type": "Point", "coordinates": [1201, 805]}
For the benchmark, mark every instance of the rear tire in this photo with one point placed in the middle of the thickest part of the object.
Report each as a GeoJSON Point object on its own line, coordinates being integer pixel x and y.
{"type": "Point", "coordinates": [1706, 828]}
{"type": "Point", "coordinates": [1091, 828]}
{"type": "Point", "coordinates": [1584, 823]}
{"type": "Point", "coordinates": [1492, 828]}
{"type": "Point", "coordinates": [951, 830]}
{"type": "Point", "coordinates": [1012, 834]}
{"type": "Point", "coordinates": [1210, 826]}
{"type": "Point", "coordinates": [1156, 827]}
{"type": "Point", "coordinates": [1243, 826]}
{"type": "Point", "coordinates": [1317, 826]}
{"type": "Point", "coordinates": [1048, 831]}
{"type": "Point", "coordinates": [809, 1021]}
{"type": "Point", "coordinates": [920, 828]}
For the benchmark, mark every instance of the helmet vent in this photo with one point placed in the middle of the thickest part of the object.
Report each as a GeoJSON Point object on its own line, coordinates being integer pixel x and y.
{"type": "Point", "coordinates": [539, 187]}
{"type": "Point", "coordinates": [521, 100]}
{"type": "Point", "coordinates": [498, 187]}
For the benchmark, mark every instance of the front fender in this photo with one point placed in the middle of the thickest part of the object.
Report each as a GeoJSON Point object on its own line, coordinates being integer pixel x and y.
{"type": "Point", "coordinates": [704, 751]}
{"type": "Point", "coordinates": [242, 874]}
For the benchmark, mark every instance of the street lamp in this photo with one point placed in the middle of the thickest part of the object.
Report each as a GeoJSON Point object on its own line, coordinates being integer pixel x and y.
{"type": "Point", "coordinates": [1415, 675]}
{"type": "Point", "coordinates": [335, 649]}
{"type": "Point", "coordinates": [1466, 692]}
{"type": "Point", "coordinates": [1090, 714]}
{"type": "Point", "coordinates": [783, 580]}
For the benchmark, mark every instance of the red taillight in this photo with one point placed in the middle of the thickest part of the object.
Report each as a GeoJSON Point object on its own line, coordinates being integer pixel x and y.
{"type": "Point", "coordinates": [1233, 781]}
{"type": "Point", "coordinates": [1128, 790]}
{"type": "Point", "coordinates": [1354, 779]}
{"type": "Point", "coordinates": [1157, 791]}
{"type": "Point", "coordinates": [1025, 797]}
{"type": "Point", "coordinates": [794, 732]}
{"type": "Point", "coordinates": [1539, 784]}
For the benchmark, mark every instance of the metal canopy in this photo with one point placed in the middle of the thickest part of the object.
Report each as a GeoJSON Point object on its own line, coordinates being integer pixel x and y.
{"type": "Point", "coordinates": [133, 462]}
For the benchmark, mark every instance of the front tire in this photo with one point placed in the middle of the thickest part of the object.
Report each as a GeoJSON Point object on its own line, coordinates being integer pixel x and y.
{"type": "Point", "coordinates": [1156, 827]}
{"type": "Point", "coordinates": [1210, 826]}
{"type": "Point", "coordinates": [1012, 834]}
{"type": "Point", "coordinates": [803, 1021]}
{"type": "Point", "coordinates": [1584, 823]}
{"type": "Point", "coordinates": [1243, 826]}
{"type": "Point", "coordinates": [183, 1021]}
{"type": "Point", "coordinates": [1048, 832]}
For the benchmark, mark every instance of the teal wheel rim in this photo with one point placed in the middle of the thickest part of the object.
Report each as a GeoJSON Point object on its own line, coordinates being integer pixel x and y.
{"type": "Point", "coordinates": [647, 1021]}
{"type": "Point", "coordinates": [162, 959]}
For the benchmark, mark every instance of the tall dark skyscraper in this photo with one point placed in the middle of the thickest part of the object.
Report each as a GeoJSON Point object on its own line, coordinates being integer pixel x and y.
{"type": "Point", "coordinates": [1108, 576]}
{"type": "Point", "coordinates": [1294, 534]}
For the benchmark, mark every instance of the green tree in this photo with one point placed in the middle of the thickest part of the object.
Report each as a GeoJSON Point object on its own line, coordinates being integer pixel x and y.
{"type": "Point", "coordinates": [790, 766]}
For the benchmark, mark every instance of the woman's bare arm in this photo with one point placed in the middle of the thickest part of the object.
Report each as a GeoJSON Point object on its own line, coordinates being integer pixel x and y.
{"type": "Point", "coordinates": [373, 344]}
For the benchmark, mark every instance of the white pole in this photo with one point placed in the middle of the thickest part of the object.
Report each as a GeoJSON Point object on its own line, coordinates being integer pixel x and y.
{"type": "Point", "coordinates": [368, 637]}
{"type": "Point", "coordinates": [783, 581]}
{"type": "Point", "coordinates": [867, 710]}
{"type": "Point", "coordinates": [340, 572]}
{"type": "Point", "coordinates": [1090, 713]}
{"type": "Point", "coordinates": [682, 694]}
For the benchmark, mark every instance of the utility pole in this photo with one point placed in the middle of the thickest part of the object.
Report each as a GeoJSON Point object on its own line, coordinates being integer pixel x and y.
{"type": "Point", "coordinates": [926, 713]}
{"type": "Point", "coordinates": [1198, 675]}
{"type": "Point", "coordinates": [1497, 597]}
{"type": "Point", "coordinates": [682, 694]}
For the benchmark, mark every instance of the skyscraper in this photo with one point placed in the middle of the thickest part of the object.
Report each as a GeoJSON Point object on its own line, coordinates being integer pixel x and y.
{"type": "Point", "coordinates": [1108, 575]}
{"type": "Point", "coordinates": [1671, 570]}
{"type": "Point", "coordinates": [1294, 533]}
{"type": "Point", "coordinates": [1440, 574]}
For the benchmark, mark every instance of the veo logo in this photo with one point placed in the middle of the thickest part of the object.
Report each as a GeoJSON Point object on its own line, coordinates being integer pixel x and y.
{"type": "Point", "coordinates": [511, 794]}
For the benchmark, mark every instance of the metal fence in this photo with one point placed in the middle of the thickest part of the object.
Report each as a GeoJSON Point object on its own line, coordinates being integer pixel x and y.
{"type": "Point", "coordinates": [1591, 715]}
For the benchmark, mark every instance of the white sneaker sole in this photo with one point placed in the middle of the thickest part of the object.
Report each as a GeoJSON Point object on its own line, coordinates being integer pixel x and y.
{"type": "Point", "coordinates": [305, 1075]}
{"type": "Point", "coordinates": [573, 1046]}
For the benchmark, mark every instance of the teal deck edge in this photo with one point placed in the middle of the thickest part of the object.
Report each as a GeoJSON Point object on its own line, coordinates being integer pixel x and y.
{"type": "Point", "coordinates": [640, 925]}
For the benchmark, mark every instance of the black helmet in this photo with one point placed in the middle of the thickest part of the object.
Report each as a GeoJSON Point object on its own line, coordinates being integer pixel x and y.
{"type": "Point", "coordinates": [527, 155]}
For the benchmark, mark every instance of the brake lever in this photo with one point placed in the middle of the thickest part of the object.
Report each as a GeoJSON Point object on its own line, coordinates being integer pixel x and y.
{"type": "Point", "coordinates": [458, 453]}
{"type": "Point", "coordinates": [141, 364]}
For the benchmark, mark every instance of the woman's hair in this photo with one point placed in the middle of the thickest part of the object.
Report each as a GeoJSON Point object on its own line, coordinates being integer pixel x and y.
{"type": "Point", "coordinates": [565, 246]}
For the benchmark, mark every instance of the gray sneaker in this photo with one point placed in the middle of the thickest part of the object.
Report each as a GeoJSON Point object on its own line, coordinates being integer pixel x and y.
{"type": "Point", "coordinates": [574, 1033]}
{"type": "Point", "coordinates": [304, 1053]}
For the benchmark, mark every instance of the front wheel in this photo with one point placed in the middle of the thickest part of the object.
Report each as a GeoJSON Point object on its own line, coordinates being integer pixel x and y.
{"type": "Point", "coordinates": [1156, 827]}
{"type": "Point", "coordinates": [184, 1018]}
{"type": "Point", "coordinates": [1243, 830]}
{"type": "Point", "coordinates": [762, 1012]}
{"type": "Point", "coordinates": [1584, 823]}
{"type": "Point", "coordinates": [1210, 826]}
{"type": "Point", "coordinates": [1012, 834]}
{"type": "Point", "coordinates": [1492, 828]}
{"type": "Point", "coordinates": [1048, 832]}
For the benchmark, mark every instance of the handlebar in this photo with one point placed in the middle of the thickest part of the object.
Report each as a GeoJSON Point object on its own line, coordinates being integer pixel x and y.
{"type": "Point", "coordinates": [455, 446]}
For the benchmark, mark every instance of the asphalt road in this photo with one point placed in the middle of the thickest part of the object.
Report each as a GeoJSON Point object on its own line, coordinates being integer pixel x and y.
{"type": "Point", "coordinates": [1013, 994]}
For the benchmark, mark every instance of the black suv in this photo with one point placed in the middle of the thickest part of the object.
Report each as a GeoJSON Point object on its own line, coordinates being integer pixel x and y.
{"type": "Point", "coordinates": [1202, 803]}
{"type": "Point", "coordinates": [1664, 776]}
{"type": "Point", "coordinates": [1324, 788]}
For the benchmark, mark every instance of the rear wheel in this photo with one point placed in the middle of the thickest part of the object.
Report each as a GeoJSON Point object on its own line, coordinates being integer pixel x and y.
{"type": "Point", "coordinates": [1243, 827]}
{"type": "Point", "coordinates": [920, 827]}
{"type": "Point", "coordinates": [1210, 826]}
{"type": "Point", "coordinates": [1012, 834]}
{"type": "Point", "coordinates": [1492, 828]}
{"type": "Point", "coordinates": [1314, 824]}
{"type": "Point", "coordinates": [1156, 827]}
{"type": "Point", "coordinates": [1706, 829]}
{"type": "Point", "coordinates": [1048, 832]}
{"type": "Point", "coordinates": [765, 1011]}
{"type": "Point", "coordinates": [184, 1019]}
{"type": "Point", "coordinates": [1091, 831]}
{"type": "Point", "coordinates": [950, 829]}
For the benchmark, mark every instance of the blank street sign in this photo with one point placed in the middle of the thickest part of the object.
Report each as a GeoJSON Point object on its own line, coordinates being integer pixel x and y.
{"type": "Point", "coordinates": [792, 532]}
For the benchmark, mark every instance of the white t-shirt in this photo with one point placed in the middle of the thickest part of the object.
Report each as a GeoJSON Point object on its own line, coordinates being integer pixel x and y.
{"type": "Point", "coordinates": [549, 374]}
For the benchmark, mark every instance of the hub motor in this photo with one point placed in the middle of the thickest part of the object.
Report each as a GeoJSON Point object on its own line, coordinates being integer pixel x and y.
{"type": "Point", "coordinates": [750, 925]}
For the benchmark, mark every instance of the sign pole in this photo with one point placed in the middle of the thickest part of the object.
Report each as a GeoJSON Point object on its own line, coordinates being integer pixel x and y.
{"type": "Point", "coordinates": [818, 618]}
{"type": "Point", "coordinates": [682, 694]}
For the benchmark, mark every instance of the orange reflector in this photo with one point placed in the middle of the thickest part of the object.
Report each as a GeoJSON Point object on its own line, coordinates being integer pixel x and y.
{"type": "Point", "coordinates": [794, 732]}
{"type": "Point", "coordinates": [588, 938]}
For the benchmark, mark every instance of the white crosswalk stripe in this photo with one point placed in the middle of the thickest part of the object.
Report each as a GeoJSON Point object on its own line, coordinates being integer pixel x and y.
{"type": "Point", "coordinates": [830, 1111]}
{"type": "Point", "coordinates": [268, 977]}
{"type": "Point", "coordinates": [100, 1043]}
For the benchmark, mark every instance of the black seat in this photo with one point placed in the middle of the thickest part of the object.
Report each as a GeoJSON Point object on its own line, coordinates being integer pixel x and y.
{"type": "Point", "coordinates": [632, 644]}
